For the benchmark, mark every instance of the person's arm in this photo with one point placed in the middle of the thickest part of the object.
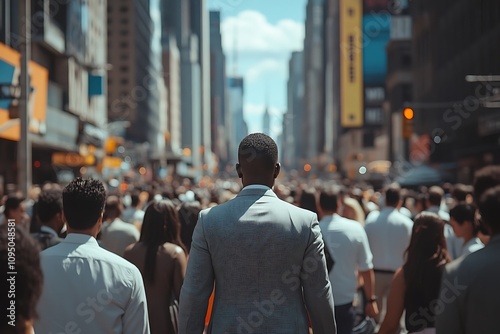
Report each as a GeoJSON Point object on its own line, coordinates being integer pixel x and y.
{"type": "Point", "coordinates": [368, 276]}
{"type": "Point", "coordinates": [316, 284]}
{"type": "Point", "coordinates": [395, 304]}
{"type": "Point", "coordinates": [198, 284]}
{"type": "Point", "coordinates": [135, 318]}
{"type": "Point", "coordinates": [180, 263]}
{"type": "Point", "coordinates": [365, 268]}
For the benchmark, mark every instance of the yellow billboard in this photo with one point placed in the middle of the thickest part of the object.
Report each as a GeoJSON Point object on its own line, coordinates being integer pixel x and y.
{"type": "Point", "coordinates": [10, 61]}
{"type": "Point", "coordinates": [351, 63]}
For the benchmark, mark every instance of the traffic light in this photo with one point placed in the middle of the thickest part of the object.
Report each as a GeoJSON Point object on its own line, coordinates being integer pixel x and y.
{"type": "Point", "coordinates": [407, 123]}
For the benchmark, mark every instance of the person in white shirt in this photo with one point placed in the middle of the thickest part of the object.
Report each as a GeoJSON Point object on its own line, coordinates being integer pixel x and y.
{"type": "Point", "coordinates": [88, 289]}
{"type": "Point", "coordinates": [465, 226]}
{"type": "Point", "coordinates": [434, 204]}
{"type": "Point", "coordinates": [116, 235]}
{"type": "Point", "coordinates": [346, 241]}
{"type": "Point", "coordinates": [389, 233]}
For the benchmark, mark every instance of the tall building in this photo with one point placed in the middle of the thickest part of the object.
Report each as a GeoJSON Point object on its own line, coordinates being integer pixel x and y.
{"type": "Point", "coordinates": [68, 100]}
{"type": "Point", "coordinates": [313, 117]}
{"type": "Point", "coordinates": [219, 138]}
{"type": "Point", "coordinates": [295, 111]}
{"type": "Point", "coordinates": [172, 76]}
{"type": "Point", "coordinates": [200, 27]}
{"type": "Point", "coordinates": [188, 21]}
{"type": "Point", "coordinates": [238, 128]}
{"type": "Point", "coordinates": [133, 93]}
{"type": "Point", "coordinates": [458, 117]}
{"type": "Point", "coordinates": [266, 122]}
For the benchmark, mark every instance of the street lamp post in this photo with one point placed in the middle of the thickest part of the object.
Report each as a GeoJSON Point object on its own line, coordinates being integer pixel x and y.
{"type": "Point", "coordinates": [24, 148]}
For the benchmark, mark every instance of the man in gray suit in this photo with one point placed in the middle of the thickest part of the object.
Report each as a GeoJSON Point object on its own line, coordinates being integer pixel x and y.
{"type": "Point", "coordinates": [469, 298]}
{"type": "Point", "coordinates": [263, 256]}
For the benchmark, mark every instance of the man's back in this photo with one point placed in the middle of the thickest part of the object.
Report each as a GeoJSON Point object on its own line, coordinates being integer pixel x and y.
{"type": "Point", "coordinates": [469, 293]}
{"type": "Point", "coordinates": [117, 235]}
{"type": "Point", "coordinates": [348, 244]}
{"type": "Point", "coordinates": [90, 290]}
{"type": "Point", "coordinates": [389, 234]}
{"type": "Point", "coordinates": [261, 252]}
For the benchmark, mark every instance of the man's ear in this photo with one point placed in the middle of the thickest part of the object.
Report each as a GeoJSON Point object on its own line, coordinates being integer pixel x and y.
{"type": "Point", "coordinates": [238, 170]}
{"type": "Point", "coordinates": [277, 170]}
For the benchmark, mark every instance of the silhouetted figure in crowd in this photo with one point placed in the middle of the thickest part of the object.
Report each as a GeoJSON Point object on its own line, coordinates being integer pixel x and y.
{"type": "Point", "coordinates": [415, 286]}
{"type": "Point", "coordinates": [161, 258]}
{"type": "Point", "coordinates": [49, 210]}
{"type": "Point", "coordinates": [347, 243]}
{"type": "Point", "coordinates": [25, 284]}
{"type": "Point", "coordinates": [116, 235]}
{"type": "Point", "coordinates": [470, 297]}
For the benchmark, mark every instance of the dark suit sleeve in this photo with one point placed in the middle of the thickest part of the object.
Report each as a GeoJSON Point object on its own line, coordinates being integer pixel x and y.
{"type": "Point", "coordinates": [316, 284]}
{"type": "Point", "coordinates": [198, 284]}
{"type": "Point", "coordinates": [448, 320]}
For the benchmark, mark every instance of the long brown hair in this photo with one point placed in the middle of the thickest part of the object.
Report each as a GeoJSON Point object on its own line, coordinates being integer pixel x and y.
{"type": "Point", "coordinates": [160, 225]}
{"type": "Point", "coordinates": [426, 255]}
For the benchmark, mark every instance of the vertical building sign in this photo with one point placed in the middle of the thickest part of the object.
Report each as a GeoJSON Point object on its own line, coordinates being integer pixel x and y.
{"type": "Point", "coordinates": [351, 64]}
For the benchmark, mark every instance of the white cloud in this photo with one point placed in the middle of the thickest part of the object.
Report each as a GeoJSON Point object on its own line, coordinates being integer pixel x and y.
{"type": "Point", "coordinates": [255, 35]}
{"type": "Point", "coordinates": [266, 66]}
{"type": "Point", "coordinates": [263, 50]}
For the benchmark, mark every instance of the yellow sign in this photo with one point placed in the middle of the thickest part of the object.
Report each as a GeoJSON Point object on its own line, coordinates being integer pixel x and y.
{"type": "Point", "coordinates": [39, 77]}
{"type": "Point", "coordinates": [112, 162]}
{"type": "Point", "coordinates": [68, 159]}
{"type": "Point", "coordinates": [351, 63]}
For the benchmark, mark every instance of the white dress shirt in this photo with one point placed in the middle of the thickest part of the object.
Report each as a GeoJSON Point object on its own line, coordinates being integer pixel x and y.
{"type": "Point", "coordinates": [389, 233]}
{"type": "Point", "coordinates": [471, 246]}
{"type": "Point", "coordinates": [90, 290]}
{"type": "Point", "coordinates": [348, 245]}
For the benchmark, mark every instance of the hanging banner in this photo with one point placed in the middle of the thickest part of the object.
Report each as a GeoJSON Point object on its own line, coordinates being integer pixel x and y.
{"type": "Point", "coordinates": [351, 64]}
{"type": "Point", "coordinates": [39, 79]}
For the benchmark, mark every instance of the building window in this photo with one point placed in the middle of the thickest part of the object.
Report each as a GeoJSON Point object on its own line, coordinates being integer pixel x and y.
{"type": "Point", "coordinates": [124, 32]}
{"type": "Point", "coordinates": [123, 9]}
{"type": "Point", "coordinates": [406, 59]}
{"type": "Point", "coordinates": [124, 81]}
{"type": "Point", "coordinates": [368, 139]}
{"type": "Point", "coordinates": [124, 45]}
{"type": "Point", "coordinates": [124, 21]}
{"type": "Point", "coordinates": [124, 68]}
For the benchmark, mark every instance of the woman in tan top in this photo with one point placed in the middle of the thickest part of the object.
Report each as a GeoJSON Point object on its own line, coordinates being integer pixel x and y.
{"type": "Point", "coordinates": [161, 258]}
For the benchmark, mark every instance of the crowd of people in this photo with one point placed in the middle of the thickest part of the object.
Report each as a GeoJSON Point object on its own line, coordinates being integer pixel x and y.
{"type": "Point", "coordinates": [257, 257]}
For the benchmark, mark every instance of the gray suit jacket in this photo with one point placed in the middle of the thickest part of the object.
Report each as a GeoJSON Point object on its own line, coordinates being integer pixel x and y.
{"type": "Point", "coordinates": [469, 300]}
{"type": "Point", "coordinates": [265, 258]}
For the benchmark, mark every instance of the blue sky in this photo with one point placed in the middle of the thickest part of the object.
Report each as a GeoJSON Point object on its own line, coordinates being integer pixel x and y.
{"type": "Point", "coordinates": [267, 32]}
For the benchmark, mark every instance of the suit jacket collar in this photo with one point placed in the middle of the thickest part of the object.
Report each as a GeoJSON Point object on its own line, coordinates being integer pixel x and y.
{"type": "Point", "coordinates": [257, 192]}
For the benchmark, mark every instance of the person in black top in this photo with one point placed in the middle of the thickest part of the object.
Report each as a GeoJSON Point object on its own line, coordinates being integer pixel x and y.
{"type": "Point", "coordinates": [415, 286]}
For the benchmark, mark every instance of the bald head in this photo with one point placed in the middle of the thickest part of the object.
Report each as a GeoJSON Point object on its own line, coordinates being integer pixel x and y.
{"type": "Point", "coordinates": [258, 159]}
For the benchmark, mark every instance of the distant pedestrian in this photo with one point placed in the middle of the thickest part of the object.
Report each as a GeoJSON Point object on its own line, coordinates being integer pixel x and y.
{"type": "Point", "coordinates": [389, 233]}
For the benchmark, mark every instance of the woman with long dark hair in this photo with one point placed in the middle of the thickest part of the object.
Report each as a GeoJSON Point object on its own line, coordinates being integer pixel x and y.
{"type": "Point", "coordinates": [415, 286]}
{"type": "Point", "coordinates": [160, 255]}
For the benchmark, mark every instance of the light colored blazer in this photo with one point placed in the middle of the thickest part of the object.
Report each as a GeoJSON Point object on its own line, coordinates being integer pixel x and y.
{"type": "Point", "coordinates": [265, 258]}
{"type": "Point", "coordinates": [469, 299]}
